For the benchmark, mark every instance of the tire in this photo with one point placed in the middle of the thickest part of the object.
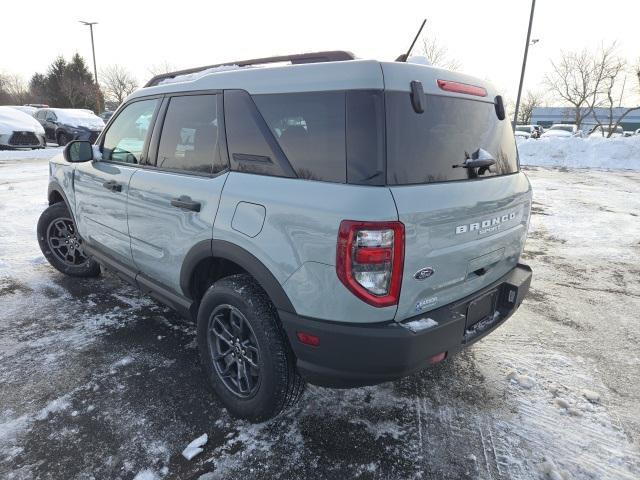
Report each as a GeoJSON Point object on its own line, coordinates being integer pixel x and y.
{"type": "Point", "coordinates": [62, 139]}
{"type": "Point", "coordinates": [61, 244]}
{"type": "Point", "coordinates": [278, 385]}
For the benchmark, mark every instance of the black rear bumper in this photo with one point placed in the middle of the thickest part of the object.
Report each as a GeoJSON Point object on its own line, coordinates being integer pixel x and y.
{"type": "Point", "coordinates": [351, 355]}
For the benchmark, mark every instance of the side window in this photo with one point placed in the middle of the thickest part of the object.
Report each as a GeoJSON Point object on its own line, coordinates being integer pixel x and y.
{"type": "Point", "coordinates": [252, 147]}
{"type": "Point", "coordinates": [125, 139]}
{"type": "Point", "coordinates": [51, 117]}
{"type": "Point", "coordinates": [189, 139]}
{"type": "Point", "coordinates": [310, 128]}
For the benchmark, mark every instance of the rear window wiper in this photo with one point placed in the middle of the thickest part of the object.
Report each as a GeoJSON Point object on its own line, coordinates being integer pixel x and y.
{"type": "Point", "coordinates": [478, 159]}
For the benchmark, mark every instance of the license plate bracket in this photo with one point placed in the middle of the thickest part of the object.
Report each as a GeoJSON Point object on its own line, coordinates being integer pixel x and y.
{"type": "Point", "coordinates": [480, 308]}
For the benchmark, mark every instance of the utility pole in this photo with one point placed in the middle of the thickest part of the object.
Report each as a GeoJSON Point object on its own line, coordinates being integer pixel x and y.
{"type": "Point", "coordinates": [524, 63]}
{"type": "Point", "coordinates": [95, 69]}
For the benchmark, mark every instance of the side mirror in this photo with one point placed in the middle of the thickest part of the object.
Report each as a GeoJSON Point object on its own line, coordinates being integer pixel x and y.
{"type": "Point", "coordinates": [78, 151]}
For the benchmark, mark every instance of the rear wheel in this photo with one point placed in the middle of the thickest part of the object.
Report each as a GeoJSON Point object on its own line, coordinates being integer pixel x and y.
{"type": "Point", "coordinates": [61, 244]}
{"type": "Point", "coordinates": [244, 352]}
{"type": "Point", "coordinates": [62, 139]}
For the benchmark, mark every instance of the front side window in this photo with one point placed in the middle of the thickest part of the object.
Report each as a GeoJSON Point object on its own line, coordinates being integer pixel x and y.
{"type": "Point", "coordinates": [126, 137]}
{"type": "Point", "coordinates": [51, 117]}
{"type": "Point", "coordinates": [189, 140]}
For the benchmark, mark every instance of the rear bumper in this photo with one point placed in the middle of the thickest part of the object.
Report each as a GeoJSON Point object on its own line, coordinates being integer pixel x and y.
{"type": "Point", "coordinates": [351, 355]}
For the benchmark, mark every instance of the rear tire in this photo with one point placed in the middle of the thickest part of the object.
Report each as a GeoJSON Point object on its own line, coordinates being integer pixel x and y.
{"type": "Point", "coordinates": [61, 244]}
{"type": "Point", "coordinates": [244, 351]}
{"type": "Point", "coordinates": [62, 139]}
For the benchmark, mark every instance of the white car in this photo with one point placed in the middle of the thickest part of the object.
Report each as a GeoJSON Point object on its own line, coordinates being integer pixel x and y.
{"type": "Point", "coordinates": [561, 130]}
{"type": "Point", "coordinates": [28, 109]}
{"type": "Point", "coordinates": [638, 132]}
{"type": "Point", "coordinates": [20, 130]}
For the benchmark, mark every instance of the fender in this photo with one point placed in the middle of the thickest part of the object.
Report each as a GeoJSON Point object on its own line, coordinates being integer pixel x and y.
{"type": "Point", "coordinates": [54, 186]}
{"type": "Point", "coordinates": [223, 249]}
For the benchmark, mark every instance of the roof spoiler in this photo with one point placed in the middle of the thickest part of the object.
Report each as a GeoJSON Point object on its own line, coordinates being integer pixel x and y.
{"type": "Point", "coordinates": [297, 59]}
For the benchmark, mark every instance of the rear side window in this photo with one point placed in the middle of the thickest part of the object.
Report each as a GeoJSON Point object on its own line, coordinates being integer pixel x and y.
{"type": "Point", "coordinates": [252, 147]}
{"type": "Point", "coordinates": [189, 140]}
{"type": "Point", "coordinates": [310, 129]}
{"type": "Point", "coordinates": [424, 148]}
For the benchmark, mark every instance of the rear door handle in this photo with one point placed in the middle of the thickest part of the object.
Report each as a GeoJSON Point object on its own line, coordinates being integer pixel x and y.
{"type": "Point", "coordinates": [113, 186]}
{"type": "Point", "coordinates": [186, 203]}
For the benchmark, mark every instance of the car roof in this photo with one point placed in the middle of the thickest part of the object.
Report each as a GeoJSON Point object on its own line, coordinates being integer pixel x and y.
{"type": "Point", "coordinates": [320, 76]}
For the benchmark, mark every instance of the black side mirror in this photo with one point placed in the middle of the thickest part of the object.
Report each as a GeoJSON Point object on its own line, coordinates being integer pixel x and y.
{"type": "Point", "coordinates": [78, 151]}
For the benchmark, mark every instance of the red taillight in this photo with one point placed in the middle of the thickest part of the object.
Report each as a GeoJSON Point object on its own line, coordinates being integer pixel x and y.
{"type": "Point", "coordinates": [462, 88]}
{"type": "Point", "coordinates": [369, 260]}
{"type": "Point", "coordinates": [308, 339]}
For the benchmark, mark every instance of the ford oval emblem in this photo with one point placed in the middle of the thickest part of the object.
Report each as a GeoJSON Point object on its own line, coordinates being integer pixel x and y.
{"type": "Point", "coordinates": [423, 273]}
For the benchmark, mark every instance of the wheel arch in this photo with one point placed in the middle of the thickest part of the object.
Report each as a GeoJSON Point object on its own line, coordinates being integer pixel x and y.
{"type": "Point", "coordinates": [215, 259]}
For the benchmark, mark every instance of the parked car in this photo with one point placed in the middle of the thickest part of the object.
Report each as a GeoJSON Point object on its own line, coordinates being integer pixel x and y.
{"type": "Point", "coordinates": [61, 125]}
{"type": "Point", "coordinates": [628, 133]}
{"type": "Point", "coordinates": [19, 130]}
{"type": "Point", "coordinates": [25, 109]}
{"type": "Point", "coordinates": [638, 131]}
{"type": "Point", "coordinates": [106, 115]}
{"type": "Point", "coordinates": [603, 132]}
{"type": "Point", "coordinates": [336, 221]}
{"type": "Point", "coordinates": [532, 130]}
{"type": "Point", "coordinates": [562, 130]}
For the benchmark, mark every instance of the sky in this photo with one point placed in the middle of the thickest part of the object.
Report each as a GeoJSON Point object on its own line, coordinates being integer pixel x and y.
{"type": "Point", "coordinates": [487, 37]}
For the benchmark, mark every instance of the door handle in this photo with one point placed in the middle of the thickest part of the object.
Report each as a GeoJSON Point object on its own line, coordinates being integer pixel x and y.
{"type": "Point", "coordinates": [186, 203]}
{"type": "Point", "coordinates": [113, 186]}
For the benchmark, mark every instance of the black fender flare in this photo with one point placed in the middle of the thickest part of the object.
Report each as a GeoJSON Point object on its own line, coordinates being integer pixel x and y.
{"type": "Point", "coordinates": [54, 186]}
{"type": "Point", "coordinates": [238, 255]}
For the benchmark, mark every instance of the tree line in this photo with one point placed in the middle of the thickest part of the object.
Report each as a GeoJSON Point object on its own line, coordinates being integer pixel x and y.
{"type": "Point", "coordinates": [69, 84]}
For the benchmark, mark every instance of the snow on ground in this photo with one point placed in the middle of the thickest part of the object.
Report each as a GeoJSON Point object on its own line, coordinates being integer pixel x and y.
{"type": "Point", "coordinates": [575, 152]}
{"type": "Point", "coordinates": [11, 155]}
{"type": "Point", "coordinates": [99, 381]}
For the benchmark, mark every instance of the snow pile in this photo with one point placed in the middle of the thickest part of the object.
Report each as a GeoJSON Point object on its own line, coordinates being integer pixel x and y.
{"type": "Point", "coordinates": [195, 447]}
{"type": "Point", "coordinates": [576, 152]}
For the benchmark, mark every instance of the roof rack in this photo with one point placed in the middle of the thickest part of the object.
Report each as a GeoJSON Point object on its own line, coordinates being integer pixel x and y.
{"type": "Point", "coordinates": [297, 59]}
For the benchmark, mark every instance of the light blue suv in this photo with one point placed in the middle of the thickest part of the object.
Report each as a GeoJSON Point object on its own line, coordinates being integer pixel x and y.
{"type": "Point", "coordinates": [335, 221]}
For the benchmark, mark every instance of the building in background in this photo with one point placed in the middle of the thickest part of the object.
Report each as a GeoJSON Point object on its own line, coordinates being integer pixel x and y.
{"type": "Point", "coordinates": [547, 116]}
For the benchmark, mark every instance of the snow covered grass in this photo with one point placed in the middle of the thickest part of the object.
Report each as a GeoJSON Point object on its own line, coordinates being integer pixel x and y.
{"type": "Point", "coordinates": [621, 153]}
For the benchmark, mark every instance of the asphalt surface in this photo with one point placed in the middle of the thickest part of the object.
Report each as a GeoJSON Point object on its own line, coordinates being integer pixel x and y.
{"type": "Point", "coordinates": [99, 381]}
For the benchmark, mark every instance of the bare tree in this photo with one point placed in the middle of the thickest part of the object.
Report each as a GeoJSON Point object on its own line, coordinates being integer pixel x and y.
{"type": "Point", "coordinates": [160, 68]}
{"type": "Point", "coordinates": [530, 101]}
{"type": "Point", "coordinates": [613, 119]}
{"type": "Point", "coordinates": [118, 83]}
{"type": "Point", "coordinates": [438, 54]}
{"type": "Point", "coordinates": [577, 79]}
{"type": "Point", "coordinates": [14, 88]}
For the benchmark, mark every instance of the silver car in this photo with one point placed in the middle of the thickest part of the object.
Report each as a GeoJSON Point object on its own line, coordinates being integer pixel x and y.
{"type": "Point", "coordinates": [335, 221]}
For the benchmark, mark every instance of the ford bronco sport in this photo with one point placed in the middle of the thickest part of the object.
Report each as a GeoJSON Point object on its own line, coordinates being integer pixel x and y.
{"type": "Point", "coordinates": [335, 221]}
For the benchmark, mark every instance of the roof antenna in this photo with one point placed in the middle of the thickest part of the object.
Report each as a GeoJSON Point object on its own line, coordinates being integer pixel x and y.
{"type": "Point", "coordinates": [404, 56]}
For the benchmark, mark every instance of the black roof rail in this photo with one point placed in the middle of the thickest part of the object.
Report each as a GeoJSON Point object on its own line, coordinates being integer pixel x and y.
{"type": "Point", "coordinates": [315, 57]}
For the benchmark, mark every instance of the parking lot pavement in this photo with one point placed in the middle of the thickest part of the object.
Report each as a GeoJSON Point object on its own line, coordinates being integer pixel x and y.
{"type": "Point", "coordinates": [99, 381]}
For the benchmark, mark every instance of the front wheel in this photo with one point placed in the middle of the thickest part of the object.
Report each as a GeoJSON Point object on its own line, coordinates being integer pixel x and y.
{"type": "Point", "coordinates": [61, 244]}
{"type": "Point", "coordinates": [244, 352]}
{"type": "Point", "coordinates": [62, 139]}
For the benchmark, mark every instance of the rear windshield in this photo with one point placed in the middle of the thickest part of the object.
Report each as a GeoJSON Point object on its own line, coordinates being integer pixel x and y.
{"type": "Point", "coordinates": [430, 147]}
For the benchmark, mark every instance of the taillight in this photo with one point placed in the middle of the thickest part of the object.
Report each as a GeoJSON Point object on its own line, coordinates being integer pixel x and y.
{"type": "Point", "coordinates": [369, 259]}
{"type": "Point", "coordinates": [465, 88]}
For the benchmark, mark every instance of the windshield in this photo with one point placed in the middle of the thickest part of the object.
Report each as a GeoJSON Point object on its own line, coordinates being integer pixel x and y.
{"type": "Point", "coordinates": [523, 129]}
